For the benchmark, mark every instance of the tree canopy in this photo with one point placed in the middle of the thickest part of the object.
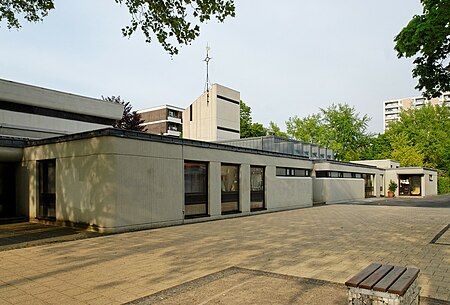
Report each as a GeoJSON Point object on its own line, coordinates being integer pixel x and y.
{"type": "Point", "coordinates": [426, 128]}
{"type": "Point", "coordinates": [427, 38]}
{"type": "Point", "coordinates": [248, 128]}
{"type": "Point", "coordinates": [170, 21]}
{"type": "Point", "coordinates": [131, 120]}
{"type": "Point", "coordinates": [338, 127]}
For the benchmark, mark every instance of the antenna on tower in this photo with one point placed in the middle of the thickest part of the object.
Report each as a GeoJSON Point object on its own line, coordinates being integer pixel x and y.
{"type": "Point", "coordinates": [207, 59]}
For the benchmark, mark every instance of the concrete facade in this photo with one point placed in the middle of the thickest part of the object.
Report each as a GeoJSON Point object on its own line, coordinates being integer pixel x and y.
{"type": "Point", "coordinates": [426, 186]}
{"type": "Point", "coordinates": [214, 116]}
{"type": "Point", "coordinates": [34, 112]}
{"type": "Point", "coordinates": [114, 183]}
{"type": "Point", "coordinates": [344, 181]}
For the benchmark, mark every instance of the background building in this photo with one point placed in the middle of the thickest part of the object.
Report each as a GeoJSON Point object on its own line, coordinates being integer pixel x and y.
{"type": "Point", "coordinates": [33, 112]}
{"type": "Point", "coordinates": [393, 108]}
{"type": "Point", "coordinates": [214, 116]}
{"type": "Point", "coordinates": [163, 120]}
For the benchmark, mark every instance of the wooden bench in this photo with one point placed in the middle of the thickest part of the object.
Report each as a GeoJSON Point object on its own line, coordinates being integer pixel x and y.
{"type": "Point", "coordinates": [379, 284]}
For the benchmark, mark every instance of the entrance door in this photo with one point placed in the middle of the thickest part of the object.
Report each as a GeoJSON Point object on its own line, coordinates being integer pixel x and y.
{"type": "Point", "coordinates": [410, 185]}
{"type": "Point", "coordinates": [47, 189]}
{"type": "Point", "coordinates": [7, 190]}
{"type": "Point", "coordinates": [256, 188]}
{"type": "Point", "coordinates": [368, 185]}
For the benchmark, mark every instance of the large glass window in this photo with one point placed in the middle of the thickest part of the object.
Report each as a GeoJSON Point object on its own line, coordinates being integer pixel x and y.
{"type": "Point", "coordinates": [195, 189]}
{"type": "Point", "coordinates": [230, 188]}
{"type": "Point", "coordinates": [47, 188]}
{"type": "Point", "coordinates": [256, 188]}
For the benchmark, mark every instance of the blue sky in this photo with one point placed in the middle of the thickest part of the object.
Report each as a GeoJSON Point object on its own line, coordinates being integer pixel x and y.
{"type": "Point", "coordinates": [285, 57]}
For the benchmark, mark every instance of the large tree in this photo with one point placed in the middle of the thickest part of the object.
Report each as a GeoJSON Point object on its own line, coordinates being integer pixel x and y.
{"type": "Point", "coordinates": [427, 38]}
{"type": "Point", "coordinates": [131, 120]}
{"type": "Point", "coordinates": [338, 127]}
{"type": "Point", "coordinates": [170, 21]}
{"type": "Point", "coordinates": [427, 128]}
{"type": "Point", "coordinates": [248, 128]}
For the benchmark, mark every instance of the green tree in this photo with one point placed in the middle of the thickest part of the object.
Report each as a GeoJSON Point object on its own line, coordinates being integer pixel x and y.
{"type": "Point", "coordinates": [347, 131]}
{"type": "Point", "coordinates": [427, 128]}
{"type": "Point", "coordinates": [308, 129]}
{"type": "Point", "coordinates": [338, 127]}
{"type": "Point", "coordinates": [274, 130]}
{"type": "Point", "coordinates": [404, 151]}
{"type": "Point", "coordinates": [377, 147]}
{"type": "Point", "coordinates": [131, 120]}
{"type": "Point", "coordinates": [427, 38]}
{"type": "Point", "coordinates": [169, 21]}
{"type": "Point", "coordinates": [248, 128]}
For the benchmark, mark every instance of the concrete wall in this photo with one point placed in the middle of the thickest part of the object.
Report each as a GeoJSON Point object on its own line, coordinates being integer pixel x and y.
{"type": "Point", "coordinates": [16, 124]}
{"type": "Point", "coordinates": [427, 187]}
{"type": "Point", "coordinates": [331, 190]}
{"type": "Point", "coordinates": [210, 112]}
{"type": "Point", "coordinates": [114, 183]}
{"type": "Point", "coordinates": [52, 99]}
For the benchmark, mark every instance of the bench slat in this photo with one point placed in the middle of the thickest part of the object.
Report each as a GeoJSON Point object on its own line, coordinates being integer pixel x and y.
{"type": "Point", "coordinates": [361, 276]}
{"type": "Point", "coordinates": [389, 279]}
{"type": "Point", "coordinates": [404, 281]}
{"type": "Point", "coordinates": [375, 277]}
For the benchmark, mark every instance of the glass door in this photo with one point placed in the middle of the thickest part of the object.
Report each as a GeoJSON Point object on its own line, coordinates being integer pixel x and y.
{"type": "Point", "coordinates": [256, 188]}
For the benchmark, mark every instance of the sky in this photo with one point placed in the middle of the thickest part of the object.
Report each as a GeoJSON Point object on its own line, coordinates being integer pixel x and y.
{"type": "Point", "coordinates": [286, 57]}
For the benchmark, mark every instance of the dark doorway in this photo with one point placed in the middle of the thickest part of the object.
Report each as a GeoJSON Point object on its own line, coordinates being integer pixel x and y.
{"type": "Point", "coordinates": [410, 185]}
{"type": "Point", "coordinates": [47, 189]}
{"type": "Point", "coordinates": [7, 190]}
{"type": "Point", "coordinates": [369, 185]}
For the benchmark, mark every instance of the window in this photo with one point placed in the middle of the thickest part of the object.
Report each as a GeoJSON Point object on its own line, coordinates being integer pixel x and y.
{"type": "Point", "coordinates": [195, 189]}
{"type": "Point", "coordinates": [47, 188]}
{"type": "Point", "coordinates": [336, 174]}
{"type": "Point", "coordinates": [256, 188]}
{"type": "Point", "coordinates": [292, 172]}
{"type": "Point", "coordinates": [190, 113]}
{"type": "Point", "coordinates": [230, 188]}
{"type": "Point", "coordinates": [431, 178]}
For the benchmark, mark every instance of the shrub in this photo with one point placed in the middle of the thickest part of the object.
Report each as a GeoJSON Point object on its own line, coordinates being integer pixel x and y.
{"type": "Point", "coordinates": [443, 185]}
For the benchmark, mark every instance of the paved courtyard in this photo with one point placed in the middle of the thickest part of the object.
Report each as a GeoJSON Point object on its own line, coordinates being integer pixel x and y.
{"type": "Point", "coordinates": [328, 243]}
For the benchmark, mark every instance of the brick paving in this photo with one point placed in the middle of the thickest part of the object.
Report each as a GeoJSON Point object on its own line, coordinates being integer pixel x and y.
{"type": "Point", "coordinates": [328, 243]}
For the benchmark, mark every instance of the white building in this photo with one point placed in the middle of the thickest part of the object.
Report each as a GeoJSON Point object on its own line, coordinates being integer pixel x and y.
{"type": "Point", "coordinates": [214, 116]}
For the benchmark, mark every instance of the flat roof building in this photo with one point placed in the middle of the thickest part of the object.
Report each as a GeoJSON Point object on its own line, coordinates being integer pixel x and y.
{"type": "Point", "coordinates": [393, 108]}
{"type": "Point", "coordinates": [163, 120]}
{"type": "Point", "coordinates": [34, 112]}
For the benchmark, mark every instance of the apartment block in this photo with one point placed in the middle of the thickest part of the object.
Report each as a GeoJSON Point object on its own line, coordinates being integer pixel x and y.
{"type": "Point", "coordinates": [163, 120]}
{"type": "Point", "coordinates": [393, 108]}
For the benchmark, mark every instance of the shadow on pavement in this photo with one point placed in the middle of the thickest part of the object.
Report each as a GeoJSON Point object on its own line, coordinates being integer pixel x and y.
{"type": "Point", "coordinates": [25, 234]}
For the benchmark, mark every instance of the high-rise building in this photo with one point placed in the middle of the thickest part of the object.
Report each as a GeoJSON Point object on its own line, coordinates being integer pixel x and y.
{"type": "Point", "coordinates": [393, 108]}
